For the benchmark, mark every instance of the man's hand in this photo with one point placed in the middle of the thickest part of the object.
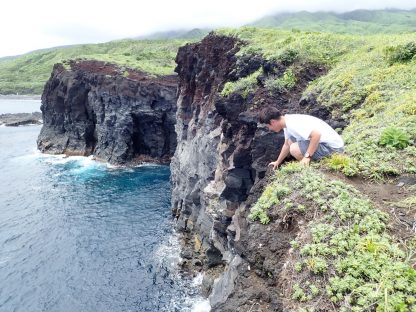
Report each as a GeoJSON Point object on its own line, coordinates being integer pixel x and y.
{"type": "Point", "coordinates": [275, 164]}
{"type": "Point", "coordinates": [305, 161]}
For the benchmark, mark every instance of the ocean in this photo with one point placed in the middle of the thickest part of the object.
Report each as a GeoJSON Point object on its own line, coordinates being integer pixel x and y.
{"type": "Point", "coordinates": [80, 235]}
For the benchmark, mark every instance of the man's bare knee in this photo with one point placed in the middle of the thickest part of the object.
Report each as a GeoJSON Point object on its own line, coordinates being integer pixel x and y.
{"type": "Point", "coordinates": [295, 151]}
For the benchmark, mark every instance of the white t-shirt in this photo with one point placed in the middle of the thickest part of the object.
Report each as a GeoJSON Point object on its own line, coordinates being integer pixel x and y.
{"type": "Point", "coordinates": [300, 127]}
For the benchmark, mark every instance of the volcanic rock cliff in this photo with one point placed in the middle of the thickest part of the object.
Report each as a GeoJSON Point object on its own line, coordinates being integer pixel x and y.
{"type": "Point", "coordinates": [220, 153]}
{"type": "Point", "coordinates": [118, 115]}
{"type": "Point", "coordinates": [219, 169]}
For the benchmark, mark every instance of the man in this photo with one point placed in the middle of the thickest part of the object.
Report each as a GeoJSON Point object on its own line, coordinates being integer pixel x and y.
{"type": "Point", "coordinates": [306, 137]}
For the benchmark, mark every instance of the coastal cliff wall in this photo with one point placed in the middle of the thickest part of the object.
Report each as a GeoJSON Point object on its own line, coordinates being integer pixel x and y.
{"type": "Point", "coordinates": [118, 115]}
{"type": "Point", "coordinates": [207, 118]}
{"type": "Point", "coordinates": [220, 168]}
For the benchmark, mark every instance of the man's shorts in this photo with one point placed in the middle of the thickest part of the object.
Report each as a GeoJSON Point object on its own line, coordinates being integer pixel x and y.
{"type": "Point", "coordinates": [322, 151]}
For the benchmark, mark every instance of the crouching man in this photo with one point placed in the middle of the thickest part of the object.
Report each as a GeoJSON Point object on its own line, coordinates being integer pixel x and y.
{"type": "Point", "coordinates": [306, 137]}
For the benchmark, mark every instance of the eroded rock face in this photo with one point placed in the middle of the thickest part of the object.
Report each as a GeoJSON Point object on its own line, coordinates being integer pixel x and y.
{"type": "Point", "coordinates": [119, 115]}
{"type": "Point", "coordinates": [219, 169]}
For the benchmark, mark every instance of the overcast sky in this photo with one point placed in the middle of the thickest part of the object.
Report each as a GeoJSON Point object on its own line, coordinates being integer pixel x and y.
{"type": "Point", "coordinates": [27, 25]}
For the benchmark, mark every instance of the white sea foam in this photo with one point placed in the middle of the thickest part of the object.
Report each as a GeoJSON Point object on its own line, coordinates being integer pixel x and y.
{"type": "Point", "coordinates": [168, 254]}
{"type": "Point", "coordinates": [147, 165]}
{"type": "Point", "coordinates": [197, 281]}
{"type": "Point", "coordinates": [201, 305]}
{"type": "Point", "coordinates": [60, 159]}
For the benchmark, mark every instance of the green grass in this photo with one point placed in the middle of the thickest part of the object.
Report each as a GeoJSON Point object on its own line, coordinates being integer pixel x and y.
{"type": "Point", "coordinates": [362, 85]}
{"type": "Point", "coordinates": [356, 22]}
{"type": "Point", "coordinates": [244, 86]}
{"type": "Point", "coordinates": [344, 256]}
{"type": "Point", "coordinates": [27, 74]}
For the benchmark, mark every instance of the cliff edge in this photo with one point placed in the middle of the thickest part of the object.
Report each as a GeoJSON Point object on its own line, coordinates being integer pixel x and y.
{"type": "Point", "coordinates": [299, 239]}
{"type": "Point", "coordinates": [219, 170]}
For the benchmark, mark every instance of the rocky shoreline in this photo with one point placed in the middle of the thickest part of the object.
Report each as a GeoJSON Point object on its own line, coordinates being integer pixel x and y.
{"type": "Point", "coordinates": [20, 119]}
{"type": "Point", "coordinates": [19, 97]}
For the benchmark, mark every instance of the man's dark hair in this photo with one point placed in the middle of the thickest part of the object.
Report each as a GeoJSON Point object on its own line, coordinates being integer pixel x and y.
{"type": "Point", "coordinates": [268, 114]}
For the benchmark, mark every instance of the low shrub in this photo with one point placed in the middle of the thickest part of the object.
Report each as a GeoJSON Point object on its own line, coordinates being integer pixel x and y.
{"type": "Point", "coordinates": [281, 84]}
{"type": "Point", "coordinates": [242, 86]}
{"type": "Point", "coordinates": [342, 163]}
{"type": "Point", "coordinates": [401, 53]}
{"type": "Point", "coordinates": [394, 137]}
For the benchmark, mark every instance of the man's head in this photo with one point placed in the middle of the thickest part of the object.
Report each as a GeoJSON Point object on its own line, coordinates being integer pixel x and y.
{"type": "Point", "coordinates": [272, 118]}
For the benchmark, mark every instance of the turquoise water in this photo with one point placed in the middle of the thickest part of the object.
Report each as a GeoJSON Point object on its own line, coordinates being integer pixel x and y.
{"type": "Point", "coordinates": [78, 235]}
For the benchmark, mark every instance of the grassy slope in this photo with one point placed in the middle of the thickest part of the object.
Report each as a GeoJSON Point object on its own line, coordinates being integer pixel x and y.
{"type": "Point", "coordinates": [374, 90]}
{"type": "Point", "coordinates": [28, 73]}
{"type": "Point", "coordinates": [355, 22]}
{"type": "Point", "coordinates": [361, 86]}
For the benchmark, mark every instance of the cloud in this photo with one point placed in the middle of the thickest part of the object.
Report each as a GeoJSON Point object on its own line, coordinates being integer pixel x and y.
{"type": "Point", "coordinates": [27, 25]}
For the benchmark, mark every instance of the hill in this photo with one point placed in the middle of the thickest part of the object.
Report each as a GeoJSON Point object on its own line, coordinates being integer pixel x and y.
{"type": "Point", "coordinates": [155, 53]}
{"type": "Point", "coordinates": [27, 74]}
{"type": "Point", "coordinates": [354, 22]}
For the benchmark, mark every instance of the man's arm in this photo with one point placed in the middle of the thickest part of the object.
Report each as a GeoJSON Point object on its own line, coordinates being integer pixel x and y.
{"type": "Point", "coordinates": [283, 154]}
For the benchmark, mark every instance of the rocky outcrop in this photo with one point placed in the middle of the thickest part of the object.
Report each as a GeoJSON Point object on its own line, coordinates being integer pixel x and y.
{"type": "Point", "coordinates": [118, 114]}
{"type": "Point", "coordinates": [20, 119]}
{"type": "Point", "coordinates": [219, 170]}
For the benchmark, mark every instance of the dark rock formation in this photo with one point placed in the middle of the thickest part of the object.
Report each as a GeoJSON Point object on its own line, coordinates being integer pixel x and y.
{"type": "Point", "coordinates": [119, 115]}
{"type": "Point", "coordinates": [219, 170]}
{"type": "Point", "coordinates": [20, 119]}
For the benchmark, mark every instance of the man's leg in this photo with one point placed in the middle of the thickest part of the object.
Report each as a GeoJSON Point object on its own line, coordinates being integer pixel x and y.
{"type": "Point", "coordinates": [295, 151]}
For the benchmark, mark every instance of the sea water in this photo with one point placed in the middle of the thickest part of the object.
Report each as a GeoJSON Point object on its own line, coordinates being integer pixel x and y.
{"type": "Point", "coordinates": [79, 235]}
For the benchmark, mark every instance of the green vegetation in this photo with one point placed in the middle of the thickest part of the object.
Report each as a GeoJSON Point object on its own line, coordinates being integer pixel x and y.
{"type": "Point", "coordinates": [290, 46]}
{"type": "Point", "coordinates": [356, 22]}
{"type": "Point", "coordinates": [27, 74]}
{"type": "Point", "coordinates": [244, 85]}
{"type": "Point", "coordinates": [281, 84]}
{"type": "Point", "coordinates": [362, 85]}
{"type": "Point", "coordinates": [342, 163]}
{"type": "Point", "coordinates": [401, 53]}
{"type": "Point", "coordinates": [345, 245]}
{"type": "Point", "coordinates": [271, 196]}
{"type": "Point", "coordinates": [394, 137]}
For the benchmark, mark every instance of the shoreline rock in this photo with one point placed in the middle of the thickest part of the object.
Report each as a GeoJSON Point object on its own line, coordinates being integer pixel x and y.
{"type": "Point", "coordinates": [20, 119]}
{"type": "Point", "coordinates": [20, 97]}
